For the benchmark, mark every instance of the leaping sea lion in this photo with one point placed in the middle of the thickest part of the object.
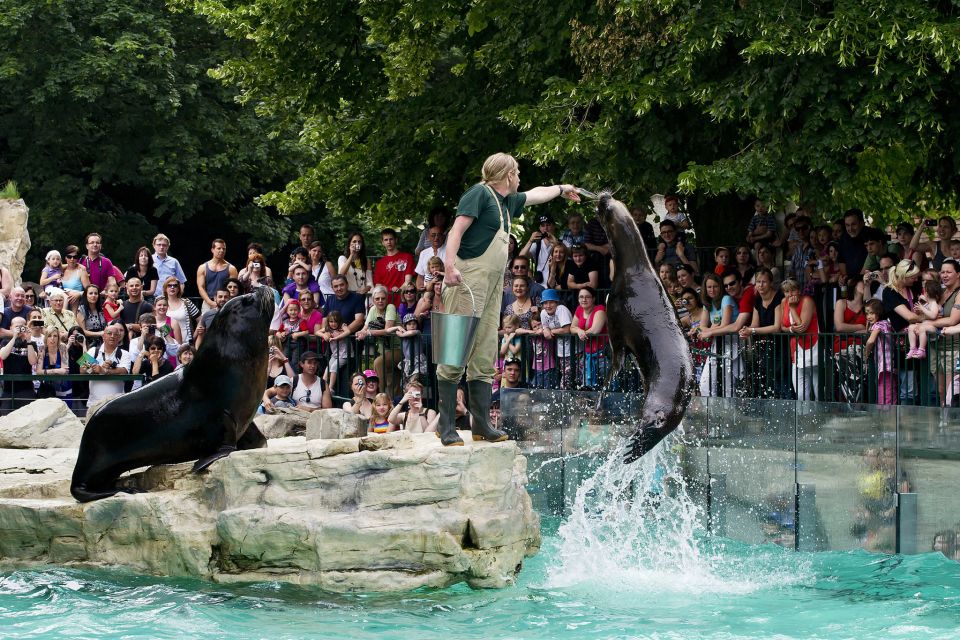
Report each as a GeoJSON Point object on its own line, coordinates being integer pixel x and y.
{"type": "Point", "coordinates": [642, 318]}
{"type": "Point", "coordinates": [202, 412]}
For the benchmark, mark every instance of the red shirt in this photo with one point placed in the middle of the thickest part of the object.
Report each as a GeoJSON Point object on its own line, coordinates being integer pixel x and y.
{"type": "Point", "coordinates": [746, 299]}
{"type": "Point", "coordinates": [390, 271]}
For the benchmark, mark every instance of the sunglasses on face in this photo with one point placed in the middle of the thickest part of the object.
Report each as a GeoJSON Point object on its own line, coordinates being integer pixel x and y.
{"type": "Point", "coordinates": [727, 285]}
{"type": "Point", "coordinates": [72, 256]}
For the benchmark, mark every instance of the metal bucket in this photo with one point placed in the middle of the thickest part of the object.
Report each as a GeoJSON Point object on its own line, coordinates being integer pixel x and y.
{"type": "Point", "coordinates": [453, 334]}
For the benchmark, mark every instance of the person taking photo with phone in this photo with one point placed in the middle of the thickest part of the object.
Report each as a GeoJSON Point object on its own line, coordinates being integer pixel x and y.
{"type": "Point", "coordinates": [410, 415]}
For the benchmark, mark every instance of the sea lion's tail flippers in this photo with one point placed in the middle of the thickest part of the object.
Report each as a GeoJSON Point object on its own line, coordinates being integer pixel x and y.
{"type": "Point", "coordinates": [643, 441]}
{"type": "Point", "coordinates": [82, 494]}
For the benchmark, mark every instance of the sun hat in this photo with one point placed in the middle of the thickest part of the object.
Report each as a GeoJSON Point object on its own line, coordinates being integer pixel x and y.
{"type": "Point", "coordinates": [549, 295]}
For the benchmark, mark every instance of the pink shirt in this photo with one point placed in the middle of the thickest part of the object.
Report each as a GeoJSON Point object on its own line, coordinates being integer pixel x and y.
{"type": "Point", "coordinates": [597, 343]}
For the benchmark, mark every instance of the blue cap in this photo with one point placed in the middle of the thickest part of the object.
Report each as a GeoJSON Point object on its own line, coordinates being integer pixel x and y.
{"type": "Point", "coordinates": [550, 295]}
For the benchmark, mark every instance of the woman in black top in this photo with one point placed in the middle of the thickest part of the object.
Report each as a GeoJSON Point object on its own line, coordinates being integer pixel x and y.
{"type": "Point", "coordinates": [898, 303]}
{"type": "Point", "coordinates": [898, 296]}
{"type": "Point", "coordinates": [769, 377]}
{"type": "Point", "coordinates": [143, 268]}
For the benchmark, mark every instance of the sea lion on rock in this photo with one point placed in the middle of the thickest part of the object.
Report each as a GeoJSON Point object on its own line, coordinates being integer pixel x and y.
{"type": "Point", "coordinates": [202, 412]}
{"type": "Point", "coordinates": [643, 319]}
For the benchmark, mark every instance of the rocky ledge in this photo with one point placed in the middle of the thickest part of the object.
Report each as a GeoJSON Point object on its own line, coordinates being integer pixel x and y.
{"type": "Point", "coordinates": [379, 513]}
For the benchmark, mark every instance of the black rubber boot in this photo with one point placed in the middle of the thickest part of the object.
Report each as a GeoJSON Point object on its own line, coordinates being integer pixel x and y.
{"type": "Point", "coordinates": [480, 393]}
{"type": "Point", "coordinates": [447, 407]}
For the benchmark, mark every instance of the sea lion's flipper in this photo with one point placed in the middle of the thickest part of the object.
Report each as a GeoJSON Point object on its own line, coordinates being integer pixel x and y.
{"type": "Point", "coordinates": [206, 461]}
{"type": "Point", "coordinates": [252, 438]}
{"type": "Point", "coordinates": [81, 493]}
{"type": "Point", "coordinates": [643, 441]}
{"type": "Point", "coordinates": [229, 443]}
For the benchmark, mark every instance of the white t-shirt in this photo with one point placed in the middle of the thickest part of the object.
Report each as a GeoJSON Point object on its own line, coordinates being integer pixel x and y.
{"type": "Point", "coordinates": [303, 391]}
{"type": "Point", "coordinates": [101, 390]}
{"type": "Point", "coordinates": [561, 318]}
{"type": "Point", "coordinates": [425, 256]}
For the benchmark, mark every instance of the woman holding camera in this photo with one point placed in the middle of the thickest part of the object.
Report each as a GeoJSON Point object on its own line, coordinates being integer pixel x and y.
{"type": "Point", "coordinates": [252, 274]}
{"type": "Point", "coordinates": [410, 415]}
{"type": "Point", "coordinates": [938, 249]}
{"type": "Point", "coordinates": [277, 363]}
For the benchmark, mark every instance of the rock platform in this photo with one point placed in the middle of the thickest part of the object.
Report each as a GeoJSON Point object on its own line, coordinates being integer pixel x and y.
{"type": "Point", "coordinates": [387, 512]}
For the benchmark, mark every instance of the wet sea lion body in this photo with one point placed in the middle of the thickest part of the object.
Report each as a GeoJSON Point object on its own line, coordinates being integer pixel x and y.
{"type": "Point", "coordinates": [201, 412]}
{"type": "Point", "coordinates": [642, 319]}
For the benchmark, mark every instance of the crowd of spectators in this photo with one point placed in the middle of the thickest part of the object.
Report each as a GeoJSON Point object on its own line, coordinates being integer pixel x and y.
{"type": "Point", "coordinates": [755, 316]}
{"type": "Point", "coordinates": [887, 303]}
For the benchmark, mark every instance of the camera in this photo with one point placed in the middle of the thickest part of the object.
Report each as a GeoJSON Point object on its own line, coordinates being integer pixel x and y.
{"type": "Point", "coordinates": [21, 329]}
{"type": "Point", "coordinates": [875, 275]}
{"type": "Point", "coordinates": [254, 265]}
{"type": "Point", "coordinates": [415, 394]}
{"type": "Point", "coordinates": [929, 222]}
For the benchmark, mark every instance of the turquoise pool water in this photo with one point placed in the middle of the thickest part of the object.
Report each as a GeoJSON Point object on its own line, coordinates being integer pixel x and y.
{"type": "Point", "coordinates": [630, 561]}
{"type": "Point", "coordinates": [763, 592]}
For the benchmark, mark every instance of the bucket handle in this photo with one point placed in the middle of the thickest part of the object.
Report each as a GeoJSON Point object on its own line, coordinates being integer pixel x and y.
{"type": "Point", "coordinates": [473, 300]}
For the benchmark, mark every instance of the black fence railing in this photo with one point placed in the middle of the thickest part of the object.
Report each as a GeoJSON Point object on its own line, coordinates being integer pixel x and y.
{"type": "Point", "coordinates": [829, 367]}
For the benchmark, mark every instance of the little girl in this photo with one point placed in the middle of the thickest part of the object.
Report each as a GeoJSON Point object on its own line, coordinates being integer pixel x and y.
{"type": "Point", "coordinates": [335, 336]}
{"type": "Point", "coordinates": [544, 357]}
{"type": "Point", "coordinates": [510, 344]}
{"type": "Point", "coordinates": [380, 416]}
{"type": "Point", "coordinates": [929, 307]}
{"type": "Point", "coordinates": [721, 255]}
{"type": "Point", "coordinates": [52, 276]}
{"type": "Point", "coordinates": [112, 306]}
{"type": "Point", "coordinates": [880, 343]}
{"type": "Point", "coordinates": [289, 323]}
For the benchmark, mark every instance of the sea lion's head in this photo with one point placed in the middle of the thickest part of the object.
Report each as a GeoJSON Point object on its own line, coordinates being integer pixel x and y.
{"type": "Point", "coordinates": [621, 228]}
{"type": "Point", "coordinates": [245, 317]}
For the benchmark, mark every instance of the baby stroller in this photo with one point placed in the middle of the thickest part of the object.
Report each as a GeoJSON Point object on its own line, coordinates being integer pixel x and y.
{"type": "Point", "coordinates": [851, 371]}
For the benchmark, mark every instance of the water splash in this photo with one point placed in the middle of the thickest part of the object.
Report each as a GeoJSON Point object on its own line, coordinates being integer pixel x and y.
{"type": "Point", "coordinates": [636, 528]}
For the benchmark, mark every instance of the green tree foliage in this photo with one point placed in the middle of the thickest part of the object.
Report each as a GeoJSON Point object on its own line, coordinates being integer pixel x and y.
{"type": "Point", "coordinates": [109, 119]}
{"type": "Point", "coordinates": [834, 104]}
{"type": "Point", "coordinates": [399, 101]}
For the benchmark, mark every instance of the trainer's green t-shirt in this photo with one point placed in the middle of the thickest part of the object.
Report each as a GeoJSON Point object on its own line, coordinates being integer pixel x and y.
{"type": "Point", "coordinates": [478, 203]}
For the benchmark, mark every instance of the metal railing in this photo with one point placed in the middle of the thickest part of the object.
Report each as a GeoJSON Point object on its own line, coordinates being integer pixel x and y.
{"type": "Point", "coordinates": [828, 367]}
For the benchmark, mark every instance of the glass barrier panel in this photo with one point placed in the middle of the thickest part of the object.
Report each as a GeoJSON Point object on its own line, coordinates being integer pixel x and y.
{"type": "Point", "coordinates": [929, 448]}
{"type": "Point", "coordinates": [539, 419]}
{"type": "Point", "coordinates": [846, 468]}
{"type": "Point", "coordinates": [693, 454]}
{"type": "Point", "coordinates": [750, 464]}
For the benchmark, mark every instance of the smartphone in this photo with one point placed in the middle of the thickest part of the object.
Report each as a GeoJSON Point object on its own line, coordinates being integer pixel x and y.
{"type": "Point", "coordinates": [254, 265]}
{"type": "Point", "coordinates": [929, 222]}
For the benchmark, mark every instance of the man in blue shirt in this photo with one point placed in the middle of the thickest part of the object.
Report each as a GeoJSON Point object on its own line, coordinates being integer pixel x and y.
{"type": "Point", "coordinates": [165, 264]}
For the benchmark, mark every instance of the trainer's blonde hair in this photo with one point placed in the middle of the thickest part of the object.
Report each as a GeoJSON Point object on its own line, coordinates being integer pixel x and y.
{"type": "Point", "coordinates": [497, 167]}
